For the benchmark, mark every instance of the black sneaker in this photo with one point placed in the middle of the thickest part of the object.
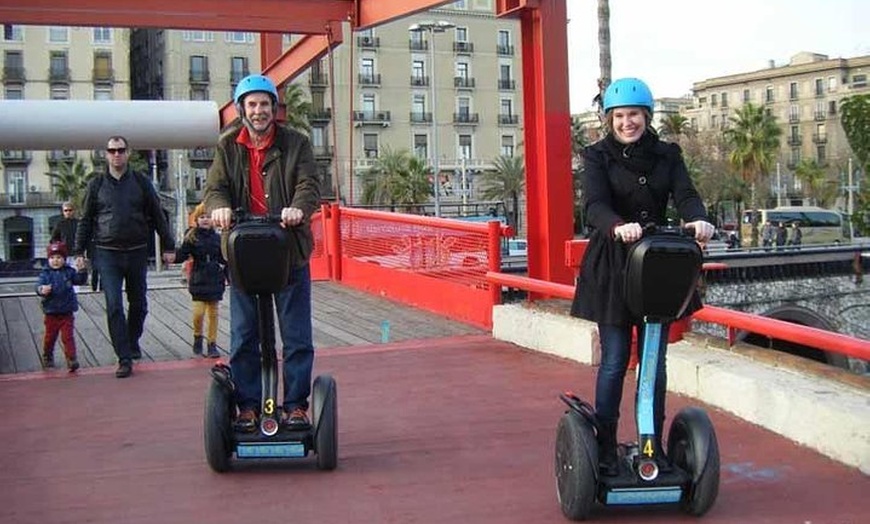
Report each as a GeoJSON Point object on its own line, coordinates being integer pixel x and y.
{"type": "Point", "coordinates": [296, 419]}
{"type": "Point", "coordinates": [136, 353]}
{"type": "Point", "coordinates": [72, 365]}
{"type": "Point", "coordinates": [125, 369]}
{"type": "Point", "coordinates": [213, 351]}
{"type": "Point", "coordinates": [47, 361]}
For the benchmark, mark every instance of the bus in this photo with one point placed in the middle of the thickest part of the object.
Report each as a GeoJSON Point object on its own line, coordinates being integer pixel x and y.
{"type": "Point", "coordinates": [818, 226]}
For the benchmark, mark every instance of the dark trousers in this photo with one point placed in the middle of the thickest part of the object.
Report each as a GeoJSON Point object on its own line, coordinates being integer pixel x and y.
{"type": "Point", "coordinates": [124, 270]}
{"type": "Point", "coordinates": [59, 325]}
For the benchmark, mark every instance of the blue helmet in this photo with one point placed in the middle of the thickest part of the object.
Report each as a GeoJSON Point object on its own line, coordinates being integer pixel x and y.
{"type": "Point", "coordinates": [628, 92]}
{"type": "Point", "coordinates": [252, 84]}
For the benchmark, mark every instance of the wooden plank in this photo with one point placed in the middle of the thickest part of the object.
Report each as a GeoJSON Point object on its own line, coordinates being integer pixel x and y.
{"type": "Point", "coordinates": [96, 344]}
{"type": "Point", "coordinates": [25, 354]}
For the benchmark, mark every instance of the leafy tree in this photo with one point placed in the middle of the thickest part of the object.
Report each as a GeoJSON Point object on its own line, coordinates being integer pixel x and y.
{"type": "Point", "coordinates": [69, 182]}
{"type": "Point", "coordinates": [754, 138]}
{"type": "Point", "coordinates": [721, 188]}
{"type": "Point", "coordinates": [397, 178]}
{"type": "Point", "coordinates": [298, 109]}
{"type": "Point", "coordinates": [505, 183]}
{"type": "Point", "coordinates": [674, 126]}
{"type": "Point", "coordinates": [818, 186]}
{"type": "Point", "coordinates": [855, 118]}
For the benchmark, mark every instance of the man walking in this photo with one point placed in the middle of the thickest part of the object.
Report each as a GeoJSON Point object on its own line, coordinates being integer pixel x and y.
{"type": "Point", "coordinates": [120, 212]}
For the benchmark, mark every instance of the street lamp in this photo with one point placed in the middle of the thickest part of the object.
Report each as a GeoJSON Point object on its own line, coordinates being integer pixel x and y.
{"type": "Point", "coordinates": [434, 27]}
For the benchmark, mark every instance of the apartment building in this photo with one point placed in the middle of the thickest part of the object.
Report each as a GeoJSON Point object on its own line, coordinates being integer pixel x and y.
{"type": "Point", "coordinates": [51, 63]}
{"type": "Point", "coordinates": [803, 95]}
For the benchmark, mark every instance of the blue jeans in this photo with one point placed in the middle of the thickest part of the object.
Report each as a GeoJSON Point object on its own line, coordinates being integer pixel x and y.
{"type": "Point", "coordinates": [615, 352]}
{"type": "Point", "coordinates": [293, 306]}
{"type": "Point", "coordinates": [127, 270]}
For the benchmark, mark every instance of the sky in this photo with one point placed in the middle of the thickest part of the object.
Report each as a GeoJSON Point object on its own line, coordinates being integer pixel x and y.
{"type": "Point", "coordinates": [672, 43]}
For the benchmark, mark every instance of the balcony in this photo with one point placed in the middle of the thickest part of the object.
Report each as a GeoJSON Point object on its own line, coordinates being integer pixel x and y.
{"type": "Point", "coordinates": [418, 45]}
{"type": "Point", "coordinates": [28, 198]}
{"type": "Point", "coordinates": [504, 50]}
{"type": "Point", "coordinates": [103, 75]}
{"type": "Point", "coordinates": [14, 74]}
{"type": "Point", "coordinates": [506, 84]}
{"type": "Point", "coordinates": [420, 117]}
{"type": "Point", "coordinates": [508, 120]}
{"type": "Point", "coordinates": [466, 118]}
{"type": "Point", "coordinates": [793, 119]}
{"type": "Point", "coordinates": [323, 152]}
{"type": "Point", "coordinates": [368, 42]}
{"type": "Point", "coordinates": [318, 79]}
{"type": "Point", "coordinates": [366, 118]}
{"type": "Point", "coordinates": [419, 80]}
{"type": "Point", "coordinates": [370, 79]}
{"type": "Point", "coordinates": [462, 82]}
{"type": "Point", "coordinates": [463, 48]}
{"type": "Point", "coordinates": [795, 140]}
{"type": "Point", "coordinates": [320, 115]}
{"type": "Point", "coordinates": [15, 157]}
{"type": "Point", "coordinates": [201, 157]}
{"type": "Point", "coordinates": [56, 156]}
{"type": "Point", "coordinates": [819, 116]}
{"type": "Point", "coordinates": [199, 77]}
{"type": "Point", "coordinates": [820, 138]}
{"type": "Point", "coordinates": [59, 75]}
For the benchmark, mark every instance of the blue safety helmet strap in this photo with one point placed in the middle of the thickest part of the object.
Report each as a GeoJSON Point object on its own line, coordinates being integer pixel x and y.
{"type": "Point", "coordinates": [628, 92]}
{"type": "Point", "coordinates": [252, 84]}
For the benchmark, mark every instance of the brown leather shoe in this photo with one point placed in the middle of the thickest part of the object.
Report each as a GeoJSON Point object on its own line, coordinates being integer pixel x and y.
{"type": "Point", "coordinates": [246, 421]}
{"type": "Point", "coordinates": [296, 419]}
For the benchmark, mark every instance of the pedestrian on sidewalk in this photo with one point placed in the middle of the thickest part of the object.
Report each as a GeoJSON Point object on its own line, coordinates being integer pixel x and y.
{"type": "Point", "coordinates": [59, 304]}
{"type": "Point", "coordinates": [207, 279]}
{"type": "Point", "coordinates": [120, 213]}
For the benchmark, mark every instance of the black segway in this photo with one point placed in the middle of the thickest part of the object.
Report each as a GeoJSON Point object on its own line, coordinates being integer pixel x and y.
{"type": "Point", "coordinates": [661, 274]}
{"type": "Point", "coordinates": [258, 259]}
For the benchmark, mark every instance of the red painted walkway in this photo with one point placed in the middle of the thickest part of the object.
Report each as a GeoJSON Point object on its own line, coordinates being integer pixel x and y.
{"type": "Point", "coordinates": [453, 430]}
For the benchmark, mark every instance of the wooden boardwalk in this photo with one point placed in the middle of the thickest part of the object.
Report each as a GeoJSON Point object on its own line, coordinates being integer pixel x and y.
{"type": "Point", "coordinates": [342, 317]}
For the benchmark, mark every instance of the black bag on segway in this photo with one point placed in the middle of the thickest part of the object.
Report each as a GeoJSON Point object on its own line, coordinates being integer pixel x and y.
{"type": "Point", "coordinates": [258, 257]}
{"type": "Point", "coordinates": [661, 274]}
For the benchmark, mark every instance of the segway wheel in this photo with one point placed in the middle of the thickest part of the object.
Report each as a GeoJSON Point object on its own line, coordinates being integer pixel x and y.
{"type": "Point", "coordinates": [218, 424]}
{"type": "Point", "coordinates": [576, 466]}
{"type": "Point", "coordinates": [325, 418]}
{"type": "Point", "coordinates": [692, 446]}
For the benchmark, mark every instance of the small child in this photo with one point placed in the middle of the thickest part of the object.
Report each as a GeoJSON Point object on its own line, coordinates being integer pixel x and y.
{"type": "Point", "coordinates": [207, 279]}
{"type": "Point", "coordinates": [59, 303]}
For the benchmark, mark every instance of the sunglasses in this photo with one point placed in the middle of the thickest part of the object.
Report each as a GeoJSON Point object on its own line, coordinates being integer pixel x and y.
{"type": "Point", "coordinates": [67, 210]}
{"type": "Point", "coordinates": [116, 150]}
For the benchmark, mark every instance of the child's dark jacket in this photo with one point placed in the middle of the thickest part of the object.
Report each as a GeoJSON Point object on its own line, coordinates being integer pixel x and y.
{"type": "Point", "coordinates": [62, 300]}
{"type": "Point", "coordinates": [208, 276]}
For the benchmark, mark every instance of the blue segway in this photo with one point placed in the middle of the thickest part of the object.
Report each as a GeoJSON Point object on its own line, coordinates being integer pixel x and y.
{"type": "Point", "coordinates": [661, 274]}
{"type": "Point", "coordinates": [258, 253]}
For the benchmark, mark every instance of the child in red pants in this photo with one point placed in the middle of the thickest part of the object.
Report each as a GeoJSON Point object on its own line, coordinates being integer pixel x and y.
{"type": "Point", "coordinates": [59, 303]}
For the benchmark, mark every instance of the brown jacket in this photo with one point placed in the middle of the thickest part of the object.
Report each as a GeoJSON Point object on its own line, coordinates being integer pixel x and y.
{"type": "Point", "coordinates": [290, 180]}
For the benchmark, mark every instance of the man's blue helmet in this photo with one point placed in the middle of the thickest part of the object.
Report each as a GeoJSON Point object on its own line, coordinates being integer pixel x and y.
{"type": "Point", "coordinates": [252, 84]}
{"type": "Point", "coordinates": [628, 92]}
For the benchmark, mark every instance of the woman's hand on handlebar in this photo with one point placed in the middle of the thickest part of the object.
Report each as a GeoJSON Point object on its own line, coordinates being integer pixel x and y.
{"type": "Point", "coordinates": [222, 217]}
{"type": "Point", "coordinates": [628, 233]}
{"type": "Point", "coordinates": [291, 216]}
{"type": "Point", "coordinates": [703, 230]}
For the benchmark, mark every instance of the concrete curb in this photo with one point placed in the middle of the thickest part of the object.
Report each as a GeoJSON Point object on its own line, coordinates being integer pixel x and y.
{"type": "Point", "coordinates": [823, 415]}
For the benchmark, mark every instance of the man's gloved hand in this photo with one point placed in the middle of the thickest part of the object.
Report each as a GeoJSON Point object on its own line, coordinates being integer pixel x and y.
{"type": "Point", "coordinates": [703, 230]}
{"type": "Point", "coordinates": [628, 232]}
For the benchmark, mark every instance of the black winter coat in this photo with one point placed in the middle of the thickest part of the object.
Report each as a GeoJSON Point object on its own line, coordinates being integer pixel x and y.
{"type": "Point", "coordinates": [62, 300]}
{"type": "Point", "coordinates": [614, 195]}
{"type": "Point", "coordinates": [207, 279]}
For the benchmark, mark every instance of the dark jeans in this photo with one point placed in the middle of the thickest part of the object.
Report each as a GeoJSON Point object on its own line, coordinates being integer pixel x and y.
{"type": "Point", "coordinates": [615, 352]}
{"type": "Point", "coordinates": [127, 269]}
{"type": "Point", "coordinates": [293, 306]}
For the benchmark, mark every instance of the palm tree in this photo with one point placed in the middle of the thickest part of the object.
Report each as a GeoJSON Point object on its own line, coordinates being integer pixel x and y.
{"type": "Point", "coordinates": [754, 139]}
{"type": "Point", "coordinates": [298, 109]}
{"type": "Point", "coordinates": [819, 188]}
{"type": "Point", "coordinates": [674, 125]}
{"type": "Point", "coordinates": [505, 183]}
{"type": "Point", "coordinates": [70, 181]}
{"type": "Point", "coordinates": [397, 178]}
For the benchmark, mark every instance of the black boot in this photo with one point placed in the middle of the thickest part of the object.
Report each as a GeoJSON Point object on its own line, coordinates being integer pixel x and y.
{"type": "Point", "coordinates": [213, 351]}
{"type": "Point", "coordinates": [197, 345]}
{"type": "Point", "coordinates": [608, 459]}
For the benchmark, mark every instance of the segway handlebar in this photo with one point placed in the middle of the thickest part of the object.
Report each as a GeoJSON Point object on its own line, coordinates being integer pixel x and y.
{"type": "Point", "coordinates": [241, 216]}
{"type": "Point", "coordinates": [656, 229]}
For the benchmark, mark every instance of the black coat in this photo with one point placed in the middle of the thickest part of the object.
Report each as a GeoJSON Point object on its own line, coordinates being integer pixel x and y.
{"type": "Point", "coordinates": [207, 279]}
{"type": "Point", "coordinates": [65, 231]}
{"type": "Point", "coordinates": [615, 195]}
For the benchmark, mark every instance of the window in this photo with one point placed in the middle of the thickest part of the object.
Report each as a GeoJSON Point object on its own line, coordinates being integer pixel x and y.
{"type": "Point", "coordinates": [368, 104]}
{"type": "Point", "coordinates": [724, 99]}
{"type": "Point", "coordinates": [198, 68]}
{"type": "Point", "coordinates": [820, 86]}
{"type": "Point", "coordinates": [714, 121]}
{"type": "Point", "coordinates": [504, 38]}
{"type": "Point", "coordinates": [507, 107]}
{"type": "Point", "coordinates": [795, 156]}
{"type": "Point", "coordinates": [821, 135]}
{"type": "Point", "coordinates": [370, 145]}
{"type": "Point", "coordinates": [14, 92]}
{"type": "Point", "coordinates": [821, 154]}
{"type": "Point", "coordinates": [16, 181]}
{"type": "Point", "coordinates": [199, 93]}
{"type": "Point", "coordinates": [239, 37]}
{"type": "Point", "coordinates": [507, 145]}
{"type": "Point", "coordinates": [465, 146]}
{"type": "Point", "coordinates": [832, 107]}
{"type": "Point", "coordinates": [714, 100]}
{"type": "Point", "coordinates": [832, 84]}
{"type": "Point", "coordinates": [463, 104]}
{"type": "Point", "coordinates": [504, 72]}
{"type": "Point", "coordinates": [58, 35]}
{"type": "Point", "coordinates": [794, 113]}
{"type": "Point", "coordinates": [238, 69]}
{"type": "Point", "coordinates": [746, 97]}
{"type": "Point", "coordinates": [58, 68]}
{"type": "Point", "coordinates": [13, 33]}
{"type": "Point", "coordinates": [418, 104]}
{"type": "Point", "coordinates": [13, 62]}
{"type": "Point", "coordinates": [417, 40]}
{"type": "Point", "coordinates": [462, 34]}
{"type": "Point", "coordinates": [59, 92]}
{"type": "Point", "coordinates": [197, 36]}
{"type": "Point", "coordinates": [793, 91]}
{"type": "Point", "coordinates": [462, 70]}
{"type": "Point", "coordinates": [102, 92]}
{"type": "Point", "coordinates": [199, 176]}
{"type": "Point", "coordinates": [859, 81]}
{"type": "Point", "coordinates": [421, 146]}
{"type": "Point", "coordinates": [794, 133]}
{"type": "Point", "coordinates": [103, 65]}
{"type": "Point", "coordinates": [317, 137]}
{"type": "Point", "coordinates": [459, 4]}
{"type": "Point", "coordinates": [418, 71]}
{"type": "Point", "coordinates": [768, 94]}
{"type": "Point", "coordinates": [102, 35]}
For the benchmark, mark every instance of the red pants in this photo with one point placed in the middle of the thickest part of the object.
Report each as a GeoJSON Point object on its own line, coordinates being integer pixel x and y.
{"type": "Point", "coordinates": [62, 324]}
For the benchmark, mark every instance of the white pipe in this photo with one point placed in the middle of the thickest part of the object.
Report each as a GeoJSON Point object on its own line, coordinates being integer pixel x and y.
{"type": "Point", "coordinates": [86, 124]}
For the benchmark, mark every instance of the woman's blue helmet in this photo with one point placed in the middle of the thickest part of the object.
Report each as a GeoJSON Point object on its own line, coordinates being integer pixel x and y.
{"type": "Point", "coordinates": [252, 84]}
{"type": "Point", "coordinates": [628, 92]}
